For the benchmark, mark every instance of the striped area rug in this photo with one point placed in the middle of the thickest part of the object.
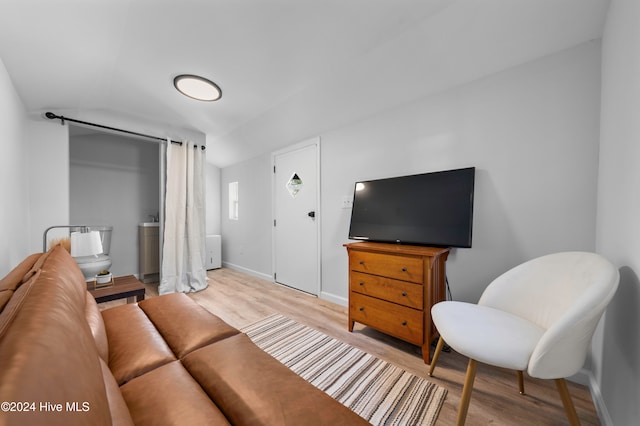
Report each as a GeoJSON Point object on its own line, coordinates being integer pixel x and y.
{"type": "Point", "coordinates": [378, 391]}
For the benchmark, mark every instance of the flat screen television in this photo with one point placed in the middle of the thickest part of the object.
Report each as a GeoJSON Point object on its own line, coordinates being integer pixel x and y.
{"type": "Point", "coordinates": [434, 209]}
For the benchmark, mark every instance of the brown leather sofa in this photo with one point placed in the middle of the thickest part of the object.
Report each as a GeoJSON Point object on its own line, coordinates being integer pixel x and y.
{"type": "Point", "coordinates": [163, 361]}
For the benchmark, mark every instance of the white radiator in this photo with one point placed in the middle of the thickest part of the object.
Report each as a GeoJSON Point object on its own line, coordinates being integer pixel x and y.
{"type": "Point", "coordinates": [213, 246]}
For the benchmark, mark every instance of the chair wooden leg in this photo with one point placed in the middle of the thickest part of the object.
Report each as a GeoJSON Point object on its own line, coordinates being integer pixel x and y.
{"type": "Point", "coordinates": [568, 404]}
{"type": "Point", "coordinates": [466, 392]}
{"type": "Point", "coordinates": [521, 382]}
{"type": "Point", "coordinates": [436, 354]}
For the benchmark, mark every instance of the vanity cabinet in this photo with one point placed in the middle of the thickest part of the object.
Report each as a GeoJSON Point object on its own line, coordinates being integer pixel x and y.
{"type": "Point", "coordinates": [392, 288]}
{"type": "Point", "coordinates": [149, 252]}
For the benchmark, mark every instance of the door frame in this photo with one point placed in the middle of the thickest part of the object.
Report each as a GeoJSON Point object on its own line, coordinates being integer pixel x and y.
{"type": "Point", "coordinates": [309, 142]}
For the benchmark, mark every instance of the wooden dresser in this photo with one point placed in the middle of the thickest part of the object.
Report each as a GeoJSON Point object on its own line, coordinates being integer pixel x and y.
{"type": "Point", "coordinates": [392, 288]}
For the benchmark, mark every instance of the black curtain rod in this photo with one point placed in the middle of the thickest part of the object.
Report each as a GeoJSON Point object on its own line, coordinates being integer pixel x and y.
{"type": "Point", "coordinates": [52, 116]}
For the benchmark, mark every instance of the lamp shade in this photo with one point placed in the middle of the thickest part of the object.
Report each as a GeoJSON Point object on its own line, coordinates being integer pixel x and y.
{"type": "Point", "coordinates": [85, 243]}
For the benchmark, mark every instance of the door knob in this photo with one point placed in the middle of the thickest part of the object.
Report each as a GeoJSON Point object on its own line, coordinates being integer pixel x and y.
{"type": "Point", "coordinates": [311, 214]}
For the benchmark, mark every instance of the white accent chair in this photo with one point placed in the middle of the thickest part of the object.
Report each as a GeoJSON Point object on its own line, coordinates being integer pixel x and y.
{"type": "Point", "coordinates": [539, 317]}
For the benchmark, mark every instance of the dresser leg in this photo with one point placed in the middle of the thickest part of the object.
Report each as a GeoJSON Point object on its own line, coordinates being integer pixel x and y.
{"type": "Point", "coordinates": [426, 354]}
{"type": "Point", "coordinates": [351, 324]}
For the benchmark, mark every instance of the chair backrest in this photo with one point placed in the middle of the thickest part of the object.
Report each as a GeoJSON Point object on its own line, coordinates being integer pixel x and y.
{"type": "Point", "coordinates": [564, 293]}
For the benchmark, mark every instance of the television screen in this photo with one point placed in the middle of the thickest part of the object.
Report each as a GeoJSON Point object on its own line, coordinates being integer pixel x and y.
{"type": "Point", "coordinates": [434, 209]}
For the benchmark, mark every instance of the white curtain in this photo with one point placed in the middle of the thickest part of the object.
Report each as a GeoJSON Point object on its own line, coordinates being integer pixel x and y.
{"type": "Point", "coordinates": [183, 253]}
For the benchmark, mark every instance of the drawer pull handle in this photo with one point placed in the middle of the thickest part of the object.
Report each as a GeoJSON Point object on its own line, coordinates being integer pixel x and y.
{"type": "Point", "coordinates": [404, 269]}
{"type": "Point", "coordinates": [404, 293]}
{"type": "Point", "coordinates": [404, 323]}
{"type": "Point", "coordinates": [361, 283]}
{"type": "Point", "coordinates": [361, 308]}
{"type": "Point", "coordinates": [361, 262]}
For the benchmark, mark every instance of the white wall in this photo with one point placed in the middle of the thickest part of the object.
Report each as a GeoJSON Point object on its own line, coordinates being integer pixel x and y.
{"type": "Point", "coordinates": [48, 169]}
{"type": "Point", "coordinates": [532, 133]}
{"type": "Point", "coordinates": [246, 242]}
{"type": "Point", "coordinates": [616, 359]}
{"type": "Point", "coordinates": [213, 203]}
{"type": "Point", "coordinates": [114, 180]}
{"type": "Point", "coordinates": [35, 175]}
{"type": "Point", "coordinates": [14, 191]}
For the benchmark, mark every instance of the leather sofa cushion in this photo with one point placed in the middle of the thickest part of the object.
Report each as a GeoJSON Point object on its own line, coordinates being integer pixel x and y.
{"type": "Point", "coordinates": [96, 324]}
{"type": "Point", "coordinates": [253, 388]}
{"type": "Point", "coordinates": [48, 353]}
{"type": "Point", "coordinates": [5, 295]}
{"type": "Point", "coordinates": [120, 415]}
{"type": "Point", "coordinates": [168, 395]}
{"type": "Point", "coordinates": [184, 324]}
{"type": "Point", "coordinates": [135, 346]}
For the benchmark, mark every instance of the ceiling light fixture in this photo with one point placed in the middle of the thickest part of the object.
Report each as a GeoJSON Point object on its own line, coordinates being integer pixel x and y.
{"type": "Point", "coordinates": [197, 87]}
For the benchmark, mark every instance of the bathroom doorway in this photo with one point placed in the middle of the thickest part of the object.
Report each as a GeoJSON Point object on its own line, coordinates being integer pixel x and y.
{"type": "Point", "coordinates": [114, 180]}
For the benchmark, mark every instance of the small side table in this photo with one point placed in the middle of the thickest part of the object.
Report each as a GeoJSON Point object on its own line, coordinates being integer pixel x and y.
{"type": "Point", "coordinates": [127, 286]}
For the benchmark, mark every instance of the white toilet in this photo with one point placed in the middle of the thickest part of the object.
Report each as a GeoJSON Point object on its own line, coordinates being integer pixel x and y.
{"type": "Point", "coordinates": [93, 264]}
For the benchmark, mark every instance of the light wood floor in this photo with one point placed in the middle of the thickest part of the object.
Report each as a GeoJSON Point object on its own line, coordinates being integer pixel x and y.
{"type": "Point", "coordinates": [241, 299]}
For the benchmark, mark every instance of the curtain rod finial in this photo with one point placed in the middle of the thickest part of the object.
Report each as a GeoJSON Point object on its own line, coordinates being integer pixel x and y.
{"type": "Point", "coordinates": [52, 116]}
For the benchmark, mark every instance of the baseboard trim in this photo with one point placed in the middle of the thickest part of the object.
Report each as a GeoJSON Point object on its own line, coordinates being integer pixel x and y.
{"type": "Point", "coordinates": [598, 401]}
{"type": "Point", "coordinates": [248, 271]}
{"type": "Point", "coordinates": [339, 300]}
{"type": "Point", "coordinates": [585, 377]}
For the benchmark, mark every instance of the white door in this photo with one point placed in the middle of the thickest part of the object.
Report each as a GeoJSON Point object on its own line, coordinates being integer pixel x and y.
{"type": "Point", "coordinates": [296, 208]}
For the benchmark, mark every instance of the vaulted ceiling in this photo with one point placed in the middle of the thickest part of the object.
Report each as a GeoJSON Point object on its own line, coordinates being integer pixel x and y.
{"type": "Point", "coordinates": [288, 69]}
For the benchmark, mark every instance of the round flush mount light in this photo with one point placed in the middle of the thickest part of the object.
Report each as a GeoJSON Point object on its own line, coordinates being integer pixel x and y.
{"type": "Point", "coordinates": [197, 87]}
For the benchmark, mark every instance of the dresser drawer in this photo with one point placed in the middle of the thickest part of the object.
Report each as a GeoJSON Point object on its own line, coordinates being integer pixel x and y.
{"type": "Point", "coordinates": [402, 292]}
{"type": "Point", "coordinates": [406, 268]}
{"type": "Point", "coordinates": [399, 321]}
